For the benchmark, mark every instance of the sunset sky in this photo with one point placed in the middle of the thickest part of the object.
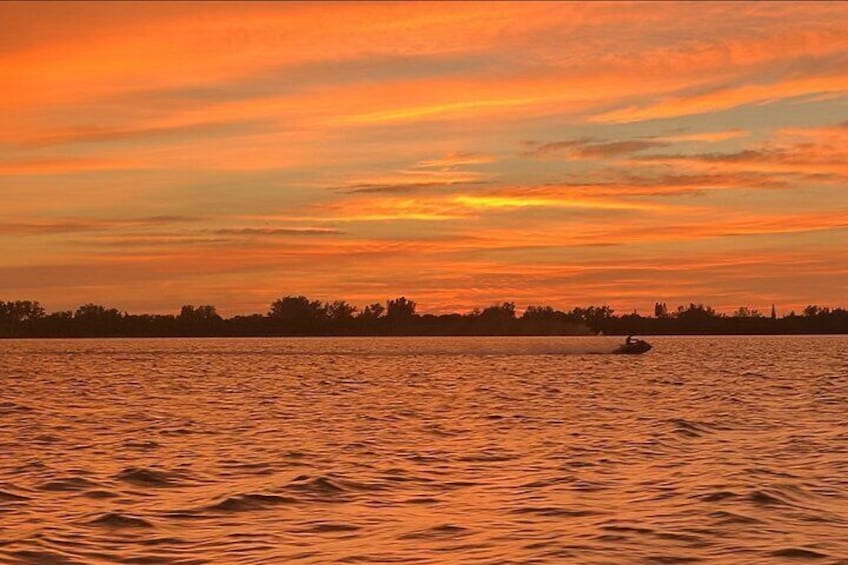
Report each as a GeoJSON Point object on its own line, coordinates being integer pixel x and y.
{"type": "Point", "coordinates": [154, 155]}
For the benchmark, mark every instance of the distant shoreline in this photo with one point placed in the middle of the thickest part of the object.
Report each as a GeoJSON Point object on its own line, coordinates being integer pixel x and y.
{"type": "Point", "coordinates": [395, 336]}
{"type": "Point", "coordinates": [298, 316]}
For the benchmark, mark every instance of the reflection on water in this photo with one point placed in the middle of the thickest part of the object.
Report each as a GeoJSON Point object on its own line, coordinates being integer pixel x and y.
{"type": "Point", "coordinates": [423, 450]}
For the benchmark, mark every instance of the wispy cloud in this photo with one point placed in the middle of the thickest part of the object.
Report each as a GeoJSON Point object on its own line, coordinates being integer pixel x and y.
{"type": "Point", "coordinates": [589, 148]}
{"type": "Point", "coordinates": [707, 136]}
{"type": "Point", "coordinates": [276, 231]}
{"type": "Point", "coordinates": [70, 225]}
{"type": "Point", "coordinates": [399, 188]}
{"type": "Point", "coordinates": [727, 98]}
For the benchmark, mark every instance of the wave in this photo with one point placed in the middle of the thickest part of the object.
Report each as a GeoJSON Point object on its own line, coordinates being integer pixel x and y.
{"type": "Point", "coordinates": [8, 407]}
{"type": "Point", "coordinates": [315, 485]}
{"type": "Point", "coordinates": [798, 553]}
{"type": "Point", "coordinates": [68, 484]}
{"type": "Point", "coordinates": [249, 502]}
{"type": "Point", "coordinates": [43, 557]}
{"type": "Point", "coordinates": [141, 476]}
{"type": "Point", "coordinates": [330, 527]}
{"type": "Point", "coordinates": [553, 512]}
{"type": "Point", "coordinates": [6, 496]}
{"type": "Point", "coordinates": [724, 517]}
{"type": "Point", "coordinates": [99, 493]}
{"type": "Point", "coordinates": [118, 520]}
{"type": "Point", "coordinates": [438, 532]}
{"type": "Point", "coordinates": [691, 428]}
{"type": "Point", "coordinates": [765, 498]}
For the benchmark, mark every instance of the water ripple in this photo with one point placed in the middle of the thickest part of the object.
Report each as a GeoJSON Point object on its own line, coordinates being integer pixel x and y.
{"type": "Point", "coordinates": [423, 451]}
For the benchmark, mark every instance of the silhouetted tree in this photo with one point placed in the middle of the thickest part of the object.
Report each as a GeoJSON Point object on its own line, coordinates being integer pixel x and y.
{"type": "Point", "coordinates": [596, 317]}
{"type": "Point", "coordinates": [504, 311]}
{"type": "Point", "coordinates": [695, 312]}
{"type": "Point", "coordinates": [372, 311]}
{"type": "Point", "coordinates": [745, 312]}
{"type": "Point", "coordinates": [199, 313]}
{"type": "Point", "coordinates": [660, 310]}
{"type": "Point", "coordinates": [96, 320]}
{"type": "Point", "coordinates": [497, 319]}
{"type": "Point", "coordinates": [812, 311]}
{"type": "Point", "coordinates": [340, 311]}
{"type": "Point", "coordinates": [400, 309]}
{"type": "Point", "coordinates": [18, 317]}
{"type": "Point", "coordinates": [200, 320]}
{"type": "Point", "coordinates": [538, 313]}
{"type": "Point", "coordinates": [20, 311]}
{"type": "Point", "coordinates": [298, 314]}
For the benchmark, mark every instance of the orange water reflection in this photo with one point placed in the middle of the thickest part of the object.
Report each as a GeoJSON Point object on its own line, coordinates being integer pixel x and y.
{"type": "Point", "coordinates": [422, 450]}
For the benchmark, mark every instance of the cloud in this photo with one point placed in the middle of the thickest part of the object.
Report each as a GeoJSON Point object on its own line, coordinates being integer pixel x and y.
{"type": "Point", "coordinates": [103, 134]}
{"type": "Point", "coordinates": [401, 188]}
{"type": "Point", "coordinates": [52, 165]}
{"type": "Point", "coordinates": [276, 231]}
{"type": "Point", "coordinates": [456, 160]}
{"type": "Point", "coordinates": [445, 173]}
{"type": "Point", "coordinates": [593, 148]}
{"type": "Point", "coordinates": [727, 98]}
{"type": "Point", "coordinates": [638, 182]}
{"type": "Point", "coordinates": [72, 225]}
{"type": "Point", "coordinates": [707, 136]}
{"type": "Point", "coordinates": [815, 163]}
{"type": "Point", "coordinates": [589, 148]}
{"type": "Point", "coordinates": [646, 230]}
{"type": "Point", "coordinates": [794, 157]}
{"type": "Point", "coordinates": [507, 200]}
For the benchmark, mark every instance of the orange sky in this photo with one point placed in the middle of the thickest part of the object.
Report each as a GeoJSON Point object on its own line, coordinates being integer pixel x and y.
{"type": "Point", "coordinates": [153, 155]}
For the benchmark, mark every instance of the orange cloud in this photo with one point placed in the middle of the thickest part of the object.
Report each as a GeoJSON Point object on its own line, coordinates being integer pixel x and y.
{"type": "Point", "coordinates": [727, 98]}
{"type": "Point", "coordinates": [810, 151]}
{"type": "Point", "coordinates": [708, 136]}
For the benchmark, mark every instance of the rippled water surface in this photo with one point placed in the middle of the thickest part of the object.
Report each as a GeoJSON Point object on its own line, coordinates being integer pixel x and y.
{"type": "Point", "coordinates": [423, 450]}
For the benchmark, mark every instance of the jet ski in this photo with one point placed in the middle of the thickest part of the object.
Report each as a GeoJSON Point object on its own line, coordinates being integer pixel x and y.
{"type": "Point", "coordinates": [633, 347]}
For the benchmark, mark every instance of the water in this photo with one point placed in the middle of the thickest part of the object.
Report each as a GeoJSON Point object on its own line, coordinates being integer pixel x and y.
{"type": "Point", "coordinates": [430, 450]}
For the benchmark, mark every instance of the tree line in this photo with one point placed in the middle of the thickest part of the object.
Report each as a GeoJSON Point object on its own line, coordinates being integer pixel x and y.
{"type": "Point", "coordinates": [301, 316]}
